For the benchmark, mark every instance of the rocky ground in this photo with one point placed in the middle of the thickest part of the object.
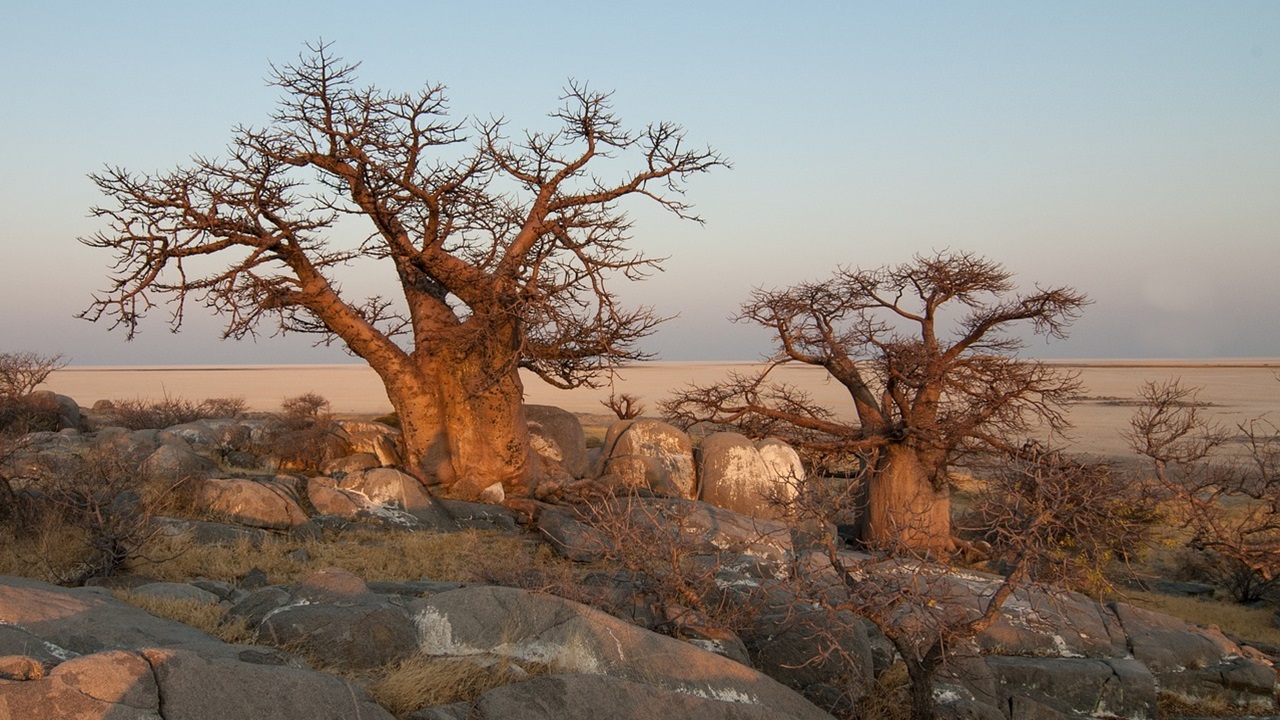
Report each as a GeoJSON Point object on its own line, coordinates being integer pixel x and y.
{"type": "Point", "coordinates": [324, 644]}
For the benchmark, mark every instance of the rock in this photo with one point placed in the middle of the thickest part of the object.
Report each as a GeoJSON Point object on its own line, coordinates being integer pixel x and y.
{"type": "Point", "coordinates": [352, 635]}
{"type": "Point", "coordinates": [785, 466]}
{"type": "Point", "coordinates": [83, 621]}
{"type": "Point", "coordinates": [732, 543]}
{"type": "Point", "coordinates": [332, 614]}
{"type": "Point", "coordinates": [271, 504]}
{"type": "Point", "coordinates": [732, 474]}
{"type": "Point", "coordinates": [114, 684]}
{"type": "Point", "coordinates": [350, 464]}
{"type": "Point", "coordinates": [805, 649]}
{"type": "Point", "coordinates": [493, 495]}
{"type": "Point", "coordinates": [1050, 623]}
{"type": "Point", "coordinates": [571, 537]}
{"type": "Point", "coordinates": [363, 436]}
{"type": "Point", "coordinates": [574, 638]}
{"type": "Point", "coordinates": [1078, 686]}
{"type": "Point", "coordinates": [1196, 663]}
{"type": "Point", "coordinates": [1167, 644]}
{"type": "Point", "coordinates": [26, 653]}
{"type": "Point", "coordinates": [385, 451]}
{"type": "Point", "coordinates": [413, 588]}
{"type": "Point", "coordinates": [557, 435]}
{"type": "Point", "coordinates": [198, 432]}
{"type": "Point", "coordinates": [1188, 589]}
{"type": "Point", "coordinates": [67, 408]}
{"type": "Point", "coordinates": [649, 454]}
{"type": "Point", "coordinates": [328, 499]}
{"type": "Point", "coordinates": [224, 592]}
{"type": "Point", "coordinates": [209, 533]}
{"type": "Point", "coordinates": [391, 487]}
{"type": "Point", "coordinates": [480, 516]}
{"type": "Point", "coordinates": [203, 688]}
{"type": "Point", "coordinates": [177, 462]}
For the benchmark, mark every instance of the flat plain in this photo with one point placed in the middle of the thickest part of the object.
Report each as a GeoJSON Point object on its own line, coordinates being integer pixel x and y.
{"type": "Point", "coordinates": [1235, 391]}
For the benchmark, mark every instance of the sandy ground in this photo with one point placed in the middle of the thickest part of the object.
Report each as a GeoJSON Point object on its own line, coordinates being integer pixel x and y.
{"type": "Point", "coordinates": [1237, 390]}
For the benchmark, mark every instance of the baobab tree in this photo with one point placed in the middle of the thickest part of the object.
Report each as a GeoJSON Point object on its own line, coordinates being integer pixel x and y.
{"type": "Point", "coordinates": [504, 249]}
{"type": "Point", "coordinates": [923, 398]}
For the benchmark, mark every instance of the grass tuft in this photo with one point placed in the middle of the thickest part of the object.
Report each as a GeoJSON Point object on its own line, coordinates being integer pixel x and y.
{"type": "Point", "coordinates": [209, 618]}
{"type": "Point", "coordinates": [421, 681]}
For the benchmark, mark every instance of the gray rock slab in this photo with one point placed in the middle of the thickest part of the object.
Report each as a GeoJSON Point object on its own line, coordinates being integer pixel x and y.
{"type": "Point", "coordinates": [574, 638]}
{"type": "Point", "coordinates": [200, 688]}
{"type": "Point", "coordinates": [600, 697]}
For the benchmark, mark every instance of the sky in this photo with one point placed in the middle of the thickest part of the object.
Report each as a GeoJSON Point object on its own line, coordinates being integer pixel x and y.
{"type": "Point", "coordinates": [1130, 150]}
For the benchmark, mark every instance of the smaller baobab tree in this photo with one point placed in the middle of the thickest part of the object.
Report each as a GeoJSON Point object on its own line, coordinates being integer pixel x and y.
{"type": "Point", "coordinates": [923, 398]}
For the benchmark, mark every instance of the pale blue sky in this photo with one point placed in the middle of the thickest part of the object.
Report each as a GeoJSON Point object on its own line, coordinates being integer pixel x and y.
{"type": "Point", "coordinates": [1129, 149]}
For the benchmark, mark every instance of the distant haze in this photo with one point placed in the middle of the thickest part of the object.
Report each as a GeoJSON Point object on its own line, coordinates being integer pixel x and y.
{"type": "Point", "coordinates": [1127, 149]}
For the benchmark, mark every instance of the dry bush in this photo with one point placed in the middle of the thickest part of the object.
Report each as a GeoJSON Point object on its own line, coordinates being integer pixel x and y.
{"type": "Point", "coordinates": [666, 561]}
{"type": "Point", "coordinates": [1102, 518]}
{"type": "Point", "coordinates": [209, 618]}
{"type": "Point", "coordinates": [422, 681]}
{"type": "Point", "coordinates": [1229, 502]}
{"type": "Point", "coordinates": [141, 414]}
{"type": "Point", "coordinates": [29, 413]}
{"type": "Point", "coordinates": [308, 439]}
{"type": "Point", "coordinates": [87, 515]}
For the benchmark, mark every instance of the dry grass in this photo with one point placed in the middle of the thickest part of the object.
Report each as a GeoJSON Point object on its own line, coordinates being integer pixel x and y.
{"type": "Point", "coordinates": [1239, 621]}
{"type": "Point", "coordinates": [468, 556]}
{"type": "Point", "coordinates": [889, 699]}
{"type": "Point", "coordinates": [421, 681]}
{"type": "Point", "coordinates": [1171, 705]}
{"type": "Point", "coordinates": [207, 617]}
{"type": "Point", "coordinates": [49, 552]}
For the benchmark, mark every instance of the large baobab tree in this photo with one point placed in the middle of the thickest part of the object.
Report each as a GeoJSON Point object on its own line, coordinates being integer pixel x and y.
{"type": "Point", "coordinates": [923, 397]}
{"type": "Point", "coordinates": [504, 249]}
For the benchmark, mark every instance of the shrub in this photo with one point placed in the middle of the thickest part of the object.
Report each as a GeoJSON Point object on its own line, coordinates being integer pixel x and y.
{"type": "Point", "coordinates": [1068, 518]}
{"type": "Point", "coordinates": [308, 438]}
{"type": "Point", "coordinates": [141, 414]}
{"type": "Point", "coordinates": [84, 516]}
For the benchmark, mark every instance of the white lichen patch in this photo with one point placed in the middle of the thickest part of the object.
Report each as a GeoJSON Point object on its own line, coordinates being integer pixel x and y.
{"type": "Point", "coordinates": [1060, 645]}
{"type": "Point", "coordinates": [435, 633]}
{"type": "Point", "coordinates": [272, 613]}
{"type": "Point", "coordinates": [723, 694]}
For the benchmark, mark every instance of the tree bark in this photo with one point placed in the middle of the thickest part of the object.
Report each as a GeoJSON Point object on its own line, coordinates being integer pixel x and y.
{"type": "Point", "coordinates": [902, 508]}
{"type": "Point", "coordinates": [463, 425]}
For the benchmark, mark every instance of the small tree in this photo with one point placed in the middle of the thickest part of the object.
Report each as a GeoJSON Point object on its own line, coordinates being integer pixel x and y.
{"type": "Point", "coordinates": [1231, 505]}
{"type": "Point", "coordinates": [923, 398]}
{"type": "Point", "coordinates": [931, 614]}
{"type": "Point", "coordinates": [504, 250]}
{"type": "Point", "coordinates": [22, 372]}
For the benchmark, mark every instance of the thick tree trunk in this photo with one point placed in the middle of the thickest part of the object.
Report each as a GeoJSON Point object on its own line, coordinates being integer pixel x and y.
{"type": "Point", "coordinates": [902, 509]}
{"type": "Point", "coordinates": [464, 425]}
